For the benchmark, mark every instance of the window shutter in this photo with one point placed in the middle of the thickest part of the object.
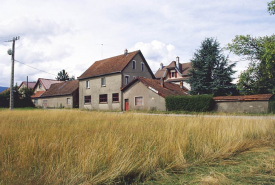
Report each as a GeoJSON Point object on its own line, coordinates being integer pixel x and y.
{"type": "Point", "coordinates": [176, 74]}
{"type": "Point", "coordinates": [169, 74]}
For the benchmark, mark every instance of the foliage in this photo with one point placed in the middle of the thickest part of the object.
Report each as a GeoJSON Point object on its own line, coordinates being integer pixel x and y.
{"type": "Point", "coordinates": [73, 147]}
{"type": "Point", "coordinates": [25, 92]}
{"type": "Point", "coordinates": [19, 99]}
{"type": "Point", "coordinates": [64, 76]}
{"type": "Point", "coordinates": [261, 52]}
{"type": "Point", "coordinates": [271, 7]}
{"type": "Point", "coordinates": [196, 103]}
{"type": "Point", "coordinates": [210, 73]}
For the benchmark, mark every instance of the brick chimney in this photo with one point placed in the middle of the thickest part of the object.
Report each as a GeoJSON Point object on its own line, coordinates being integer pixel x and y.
{"type": "Point", "coordinates": [161, 82]}
{"type": "Point", "coordinates": [178, 62]}
{"type": "Point", "coordinates": [125, 52]}
{"type": "Point", "coordinates": [181, 85]}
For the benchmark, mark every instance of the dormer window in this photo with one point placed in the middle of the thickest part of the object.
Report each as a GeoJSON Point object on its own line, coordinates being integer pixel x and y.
{"type": "Point", "coordinates": [134, 64]}
{"type": "Point", "coordinates": [39, 86]}
{"type": "Point", "coordinates": [173, 74]}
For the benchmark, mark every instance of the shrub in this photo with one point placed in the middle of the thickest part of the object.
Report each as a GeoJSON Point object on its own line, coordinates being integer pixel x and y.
{"type": "Point", "coordinates": [196, 103]}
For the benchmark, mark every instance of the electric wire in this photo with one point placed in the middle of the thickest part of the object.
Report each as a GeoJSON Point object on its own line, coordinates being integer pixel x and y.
{"type": "Point", "coordinates": [34, 67]}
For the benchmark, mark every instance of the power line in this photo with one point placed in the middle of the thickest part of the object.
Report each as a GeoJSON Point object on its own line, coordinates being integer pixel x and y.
{"type": "Point", "coordinates": [34, 67]}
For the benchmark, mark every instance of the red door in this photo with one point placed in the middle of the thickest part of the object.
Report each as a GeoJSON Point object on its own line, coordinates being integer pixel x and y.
{"type": "Point", "coordinates": [126, 104]}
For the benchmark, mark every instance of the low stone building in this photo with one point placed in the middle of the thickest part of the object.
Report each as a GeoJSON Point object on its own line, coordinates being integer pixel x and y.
{"type": "Point", "coordinates": [63, 95]}
{"type": "Point", "coordinates": [149, 94]}
{"type": "Point", "coordinates": [243, 104]}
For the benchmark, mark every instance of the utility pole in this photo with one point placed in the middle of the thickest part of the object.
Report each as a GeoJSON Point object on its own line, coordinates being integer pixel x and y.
{"type": "Point", "coordinates": [11, 52]}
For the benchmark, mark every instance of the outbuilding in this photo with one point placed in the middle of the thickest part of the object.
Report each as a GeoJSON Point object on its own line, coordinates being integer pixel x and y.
{"type": "Point", "coordinates": [149, 94]}
{"type": "Point", "coordinates": [258, 103]}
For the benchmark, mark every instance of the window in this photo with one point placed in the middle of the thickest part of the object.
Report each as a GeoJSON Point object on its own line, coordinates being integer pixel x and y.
{"type": "Point", "coordinates": [68, 101]}
{"type": "Point", "coordinates": [173, 74]}
{"type": "Point", "coordinates": [134, 77]}
{"type": "Point", "coordinates": [39, 86]}
{"type": "Point", "coordinates": [115, 97]}
{"type": "Point", "coordinates": [138, 101]}
{"type": "Point", "coordinates": [142, 66]}
{"type": "Point", "coordinates": [103, 98]}
{"type": "Point", "coordinates": [35, 101]}
{"type": "Point", "coordinates": [134, 64]}
{"type": "Point", "coordinates": [87, 84]}
{"type": "Point", "coordinates": [103, 82]}
{"type": "Point", "coordinates": [87, 99]}
{"type": "Point", "coordinates": [126, 80]}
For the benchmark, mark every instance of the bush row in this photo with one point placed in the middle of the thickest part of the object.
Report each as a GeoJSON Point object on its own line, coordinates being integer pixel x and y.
{"type": "Point", "coordinates": [196, 103]}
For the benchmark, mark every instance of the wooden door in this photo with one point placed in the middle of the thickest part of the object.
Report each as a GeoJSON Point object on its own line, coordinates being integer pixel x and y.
{"type": "Point", "coordinates": [126, 104]}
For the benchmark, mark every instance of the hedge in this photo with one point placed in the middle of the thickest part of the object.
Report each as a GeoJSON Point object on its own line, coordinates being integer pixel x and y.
{"type": "Point", "coordinates": [195, 103]}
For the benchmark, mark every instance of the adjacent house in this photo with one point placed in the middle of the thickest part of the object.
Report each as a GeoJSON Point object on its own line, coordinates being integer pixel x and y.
{"type": "Point", "coordinates": [63, 95]}
{"type": "Point", "coordinates": [40, 87]}
{"type": "Point", "coordinates": [149, 94]}
{"type": "Point", "coordinates": [25, 84]}
{"type": "Point", "coordinates": [175, 72]}
{"type": "Point", "coordinates": [258, 103]}
{"type": "Point", "coordinates": [100, 85]}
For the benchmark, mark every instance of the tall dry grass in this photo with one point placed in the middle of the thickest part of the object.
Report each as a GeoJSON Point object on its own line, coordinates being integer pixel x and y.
{"type": "Point", "coordinates": [73, 147]}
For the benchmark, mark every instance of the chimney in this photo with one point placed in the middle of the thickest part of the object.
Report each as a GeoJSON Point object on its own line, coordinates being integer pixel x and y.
{"type": "Point", "coordinates": [161, 65]}
{"type": "Point", "coordinates": [178, 62]}
{"type": "Point", "coordinates": [125, 52]}
{"type": "Point", "coordinates": [161, 82]}
{"type": "Point", "coordinates": [181, 85]}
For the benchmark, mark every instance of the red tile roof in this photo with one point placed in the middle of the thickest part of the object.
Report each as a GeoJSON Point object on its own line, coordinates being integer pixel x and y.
{"type": "Point", "coordinates": [109, 65]}
{"type": "Point", "coordinates": [184, 68]}
{"type": "Point", "coordinates": [37, 94]}
{"type": "Point", "coordinates": [6, 90]}
{"type": "Point", "coordinates": [61, 89]}
{"type": "Point", "coordinates": [257, 97]}
{"type": "Point", "coordinates": [168, 89]}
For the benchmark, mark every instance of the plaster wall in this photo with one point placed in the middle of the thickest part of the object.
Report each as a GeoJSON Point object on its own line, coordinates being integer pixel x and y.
{"type": "Point", "coordinates": [129, 71]}
{"type": "Point", "coordinates": [242, 107]}
{"type": "Point", "coordinates": [113, 84]}
{"type": "Point", "coordinates": [151, 100]}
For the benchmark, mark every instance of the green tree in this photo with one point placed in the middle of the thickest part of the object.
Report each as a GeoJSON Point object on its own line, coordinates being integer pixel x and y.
{"type": "Point", "coordinates": [260, 51]}
{"type": "Point", "coordinates": [210, 73]}
{"type": "Point", "coordinates": [64, 76]}
{"type": "Point", "coordinates": [271, 7]}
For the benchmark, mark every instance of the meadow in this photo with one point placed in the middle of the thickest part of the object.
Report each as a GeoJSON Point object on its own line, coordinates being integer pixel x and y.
{"type": "Point", "coordinates": [80, 147]}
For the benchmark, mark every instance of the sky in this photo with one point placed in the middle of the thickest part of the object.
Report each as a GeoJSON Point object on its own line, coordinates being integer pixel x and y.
{"type": "Point", "coordinates": [72, 35]}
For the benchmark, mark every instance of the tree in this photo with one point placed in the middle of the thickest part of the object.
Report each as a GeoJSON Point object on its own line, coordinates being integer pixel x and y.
{"type": "Point", "coordinates": [260, 51]}
{"type": "Point", "coordinates": [64, 76]}
{"type": "Point", "coordinates": [271, 7]}
{"type": "Point", "coordinates": [210, 73]}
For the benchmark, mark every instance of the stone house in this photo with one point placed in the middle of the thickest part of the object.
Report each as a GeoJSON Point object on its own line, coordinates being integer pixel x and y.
{"type": "Point", "coordinates": [100, 84]}
{"type": "Point", "coordinates": [175, 72]}
{"type": "Point", "coordinates": [149, 94]}
{"type": "Point", "coordinates": [258, 103]}
{"type": "Point", "coordinates": [62, 95]}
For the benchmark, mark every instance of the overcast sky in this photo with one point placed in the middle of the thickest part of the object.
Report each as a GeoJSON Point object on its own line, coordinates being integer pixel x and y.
{"type": "Point", "coordinates": [72, 35]}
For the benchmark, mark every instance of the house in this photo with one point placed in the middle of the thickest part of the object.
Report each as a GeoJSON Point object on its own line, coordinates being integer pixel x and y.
{"type": "Point", "coordinates": [175, 72]}
{"type": "Point", "coordinates": [25, 84]}
{"type": "Point", "coordinates": [100, 84]}
{"type": "Point", "coordinates": [63, 95]}
{"type": "Point", "coordinates": [149, 94]}
{"type": "Point", "coordinates": [40, 87]}
{"type": "Point", "coordinates": [258, 103]}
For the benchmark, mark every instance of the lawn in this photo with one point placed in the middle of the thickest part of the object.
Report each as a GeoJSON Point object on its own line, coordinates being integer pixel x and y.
{"type": "Point", "coordinates": [74, 147]}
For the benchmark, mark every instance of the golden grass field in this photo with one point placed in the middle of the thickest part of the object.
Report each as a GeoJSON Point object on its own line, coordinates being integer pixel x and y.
{"type": "Point", "coordinates": [74, 147]}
